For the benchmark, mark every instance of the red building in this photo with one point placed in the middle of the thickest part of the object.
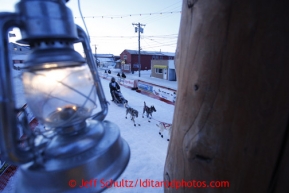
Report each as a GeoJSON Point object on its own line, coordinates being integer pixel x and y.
{"type": "Point", "coordinates": [129, 59]}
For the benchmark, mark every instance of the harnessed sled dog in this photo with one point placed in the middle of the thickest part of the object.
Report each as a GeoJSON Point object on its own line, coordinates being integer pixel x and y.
{"type": "Point", "coordinates": [165, 126]}
{"type": "Point", "coordinates": [149, 111]}
{"type": "Point", "coordinates": [133, 113]}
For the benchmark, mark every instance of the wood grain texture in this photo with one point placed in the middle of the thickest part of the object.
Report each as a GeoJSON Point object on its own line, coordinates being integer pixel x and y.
{"type": "Point", "coordinates": [232, 108]}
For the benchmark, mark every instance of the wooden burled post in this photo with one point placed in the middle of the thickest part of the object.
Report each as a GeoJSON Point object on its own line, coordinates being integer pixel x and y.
{"type": "Point", "coordinates": [231, 115]}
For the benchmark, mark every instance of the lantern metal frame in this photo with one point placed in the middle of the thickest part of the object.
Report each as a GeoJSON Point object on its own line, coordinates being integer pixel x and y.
{"type": "Point", "coordinates": [106, 155]}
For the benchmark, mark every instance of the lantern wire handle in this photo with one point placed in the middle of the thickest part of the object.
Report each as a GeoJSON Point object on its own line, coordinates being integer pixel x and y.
{"type": "Point", "coordinates": [92, 66]}
{"type": "Point", "coordinates": [80, 12]}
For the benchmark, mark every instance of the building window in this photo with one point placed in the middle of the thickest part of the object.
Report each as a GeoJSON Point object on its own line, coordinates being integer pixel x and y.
{"type": "Point", "coordinates": [124, 57]}
{"type": "Point", "coordinates": [155, 57]}
{"type": "Point", "coordinates": [126, 67]}
{"type": "Point", "coordinates": [15, 49]}
{"type": "Point", "coordinates": [159, 70]}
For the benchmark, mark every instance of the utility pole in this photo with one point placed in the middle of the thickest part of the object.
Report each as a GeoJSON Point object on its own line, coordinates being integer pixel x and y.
{"type": "Point", "coordinates": [139, 29]}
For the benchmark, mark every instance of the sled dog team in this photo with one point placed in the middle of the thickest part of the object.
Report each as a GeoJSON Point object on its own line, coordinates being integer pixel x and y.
{"type": "Point", "coordinates": [118, 98]}
{"type": "Point", "coordinates": [134, 113]}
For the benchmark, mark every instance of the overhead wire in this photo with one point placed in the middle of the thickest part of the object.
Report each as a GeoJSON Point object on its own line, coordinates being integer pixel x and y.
{"type": "Point", "coordinates": [149, 17]}
{"type": "Point", "coordinates": [160, 11]}
{"type": "Point", "coordinates": [135, 36]}
{"type": "Point", "coordinates": [160, 44]}
{"type": "Point", "coordinates": [126, 15]}
{"type": "Point", "coordinates": [160, 16]}
{"type": "Point", "coordinates": [143, 19]}
{"type": "Point", "coordinates": [158, 19]}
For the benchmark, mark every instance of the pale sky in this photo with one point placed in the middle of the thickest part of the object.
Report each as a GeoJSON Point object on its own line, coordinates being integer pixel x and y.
{"type": "Point", "coordinates": [109, 23]}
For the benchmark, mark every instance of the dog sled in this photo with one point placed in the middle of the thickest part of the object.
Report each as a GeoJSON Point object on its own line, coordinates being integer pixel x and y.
{"type": "Point", "coordinates": [118, 98]}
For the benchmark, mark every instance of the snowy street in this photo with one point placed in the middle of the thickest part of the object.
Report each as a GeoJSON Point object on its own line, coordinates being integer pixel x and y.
{"type": "Point", "coordinates": [148, 149]}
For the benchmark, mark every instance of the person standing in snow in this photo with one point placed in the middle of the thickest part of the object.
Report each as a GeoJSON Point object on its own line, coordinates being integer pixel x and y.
{"type": "Point", "coordinates": [113, 86]}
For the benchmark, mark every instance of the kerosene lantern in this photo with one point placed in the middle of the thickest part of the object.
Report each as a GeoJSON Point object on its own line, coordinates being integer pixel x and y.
{"type": "Point", "coordinates": [64, 93]}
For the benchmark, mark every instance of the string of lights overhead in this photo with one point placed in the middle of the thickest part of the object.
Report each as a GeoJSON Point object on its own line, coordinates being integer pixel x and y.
{"type": "Point", "coordinates": [169, 36]}
{"type": "Point", "coordinates": [128, 15]}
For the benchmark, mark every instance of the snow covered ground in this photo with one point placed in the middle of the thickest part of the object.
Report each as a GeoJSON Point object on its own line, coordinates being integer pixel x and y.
{"type": "Point", "coordinates": [148, 149]}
